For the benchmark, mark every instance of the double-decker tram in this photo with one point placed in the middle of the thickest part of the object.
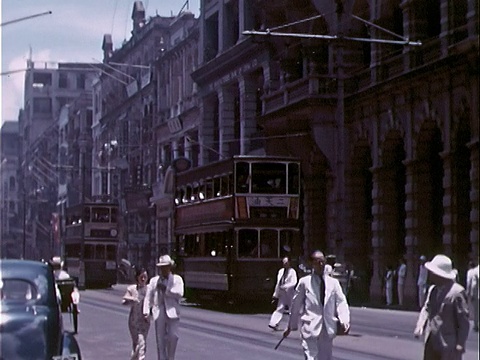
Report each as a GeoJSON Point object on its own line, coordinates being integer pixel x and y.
{"type": "Point", "coordinates": [234, 221]}
{"type": "Point", "coordinates": [91, 244]}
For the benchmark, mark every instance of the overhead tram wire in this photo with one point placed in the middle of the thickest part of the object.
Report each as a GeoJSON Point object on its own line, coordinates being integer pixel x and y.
{"type": "Point", "coordinates": [25, 18]}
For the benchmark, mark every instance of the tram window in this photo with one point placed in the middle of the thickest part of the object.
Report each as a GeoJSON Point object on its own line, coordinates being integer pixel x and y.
{"type": "Point", "coordinates": [217, 184]}
{"type": "Point", "coordinates": [247, 243]}
{"type": "Point", "coordinates": [178, 196]}
{"type": "Point", "coordinates": [293, 179]}
{"type": "Point", "coordinates": [100, 253]}
{"type": "Point", "coordinates": [201, 192]}
{"type": "Point", "coordinates": [100, 214]}
{"type": "Point", "coordinates": [111, 253]}
{"type": "Point", "coordinates": [188, 194]}
{"type": "Point", "coordinates": [89, 252]}
{"type": "Point", "coordinates": [269, 178]}
{"type": "Point", "coordinates": [194, 196]}
{"type": "Point", "coordinates": [268, 243]}
{"type": "Point", "coordinates": [215, 244]}
{"type": "Point", "coordinates": [114, 215]}
{"type": "Point", "coordinates": [287, 242]}
{"type": "Point", "coordinates": [209, 188]}
{"type": "Point", "coordinates": [183, 196]}
{"type": "Point", "coordinates": [242, 177]}
{"type": "Point", "coordinates": [224, 186]}
{"type": "Point", "coordinates": [189, 246]}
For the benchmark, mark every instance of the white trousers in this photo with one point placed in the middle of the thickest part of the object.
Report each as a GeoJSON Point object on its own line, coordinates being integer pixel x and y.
{"type": "Point", "coordinates": [400, 289]}
{"type": "Point", "coordinates": [422, 293]}
{"type": "Point", "coordinates": [319, 348]}
{"type": "Point", "coordinates": [166, 331]}
{"type": "Point", "coordinates": [277, 315]}
{"type": "Point", "coordinates": [389, 295]}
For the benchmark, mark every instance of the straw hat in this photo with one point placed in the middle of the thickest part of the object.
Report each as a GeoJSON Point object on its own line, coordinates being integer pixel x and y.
{"type": "Point", "coordinates": [441, 265]}
{"type": "Point", "coordinates": [165, 260]}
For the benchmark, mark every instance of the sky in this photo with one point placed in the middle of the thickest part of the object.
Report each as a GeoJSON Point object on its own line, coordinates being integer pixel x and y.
{"type": "Point", "coordinates": [73, 32]}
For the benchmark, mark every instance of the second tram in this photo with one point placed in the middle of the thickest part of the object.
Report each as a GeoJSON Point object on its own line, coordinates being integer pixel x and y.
{"type": "Point", "coordinates": [234, 221]}
{"type": "Point", "coordinates": [91, 244]}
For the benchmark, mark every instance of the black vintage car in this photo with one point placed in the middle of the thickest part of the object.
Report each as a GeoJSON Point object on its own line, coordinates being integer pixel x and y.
{"type": "Point", "coordinates": [31, 325]}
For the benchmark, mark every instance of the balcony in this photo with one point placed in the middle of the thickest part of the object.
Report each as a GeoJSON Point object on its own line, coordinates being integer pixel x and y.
{"type": "Point", "coordinates": [312, 87]}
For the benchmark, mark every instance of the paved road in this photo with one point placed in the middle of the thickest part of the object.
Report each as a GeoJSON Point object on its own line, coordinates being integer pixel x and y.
{"type": "Point", "coordinates": [213, 334]}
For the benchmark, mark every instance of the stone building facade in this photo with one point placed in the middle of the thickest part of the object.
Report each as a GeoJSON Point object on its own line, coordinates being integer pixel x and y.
{"type": "Point", "coordinates": [139, 100]}
{"type": "Point", "coordinates": [387, 132]}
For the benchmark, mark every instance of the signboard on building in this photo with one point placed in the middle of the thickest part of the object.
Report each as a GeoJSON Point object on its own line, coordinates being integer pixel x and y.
{"type": "Point", "coordinates": [132, 88]}
{"type": "Point", "coordinates": [145, 80]}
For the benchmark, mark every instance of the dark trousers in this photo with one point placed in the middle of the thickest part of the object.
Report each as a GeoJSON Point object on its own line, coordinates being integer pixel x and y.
{"type": "Point", "coordinates": [430, 353]}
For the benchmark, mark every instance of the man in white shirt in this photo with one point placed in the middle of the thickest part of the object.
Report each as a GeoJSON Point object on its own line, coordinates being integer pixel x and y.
{"type": "Point", "coordinates": [472, 292]}
{"type": "Point", "coordinates": [401, 273]}
{"type": "Point", "coordinates": [321, 307]}
{"type": "Point", "coordinates": [422, 281]}
{"type": "Point", "coordinates": [283, 293]}
{"type": "Point", "coordinates": [162, 301]}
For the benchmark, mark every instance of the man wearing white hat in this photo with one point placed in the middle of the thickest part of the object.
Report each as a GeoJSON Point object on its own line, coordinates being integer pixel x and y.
{"type": "Point", "coordinates": [444, 316]}
{"type": "Point", "coordinates": [283, 293]}
{"type": "Point", "coordinates": [422, 281]}
{"type": "Point", "coordinates": [162, 301]}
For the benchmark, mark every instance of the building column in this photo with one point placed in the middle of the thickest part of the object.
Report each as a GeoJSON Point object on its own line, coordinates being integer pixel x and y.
{"type": "Point", "coordinates": [208, 131]}
{"type": "Point", "coordinates": [248, 106]}
{"type": "Point", "coordinates": [448, 204]}
{"type": "Point", "coordinates": [314, 200]}
{"type": "Point", "coordinates": [378, 228]}
{"type": "Point", "coordinates": [226, 120]}
{"type": "Point", "coordinates": [474, 195]}
{"type": "Point", "coordinates": [383, 227]}
{"type": "Point", "coordinates": [411, 229]}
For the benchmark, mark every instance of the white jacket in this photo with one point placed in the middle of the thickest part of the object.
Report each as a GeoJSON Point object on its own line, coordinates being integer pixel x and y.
{"type": "Point", "coordinates": [285, 286]}
{"type": "Point", "coordinates": [307, 308]}
{"type": "Point", "coordinates": [171, 297]}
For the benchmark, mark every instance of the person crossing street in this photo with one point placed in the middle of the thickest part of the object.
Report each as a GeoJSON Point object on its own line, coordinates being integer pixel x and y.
{"type": "Point", "coordinates": [321, 306]}
{"type": "Point", "coordinates": [283, 293]}
{"type": "Point", "coordinates": [162, 302]}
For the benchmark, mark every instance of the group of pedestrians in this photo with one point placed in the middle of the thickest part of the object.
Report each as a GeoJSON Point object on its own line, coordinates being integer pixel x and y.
{"type": "Point", "coordinates": [318, 303]}
{"type": "Point", "coordinates": [391, 275]}
{"type": "Point", "coordinates": [157, 300]}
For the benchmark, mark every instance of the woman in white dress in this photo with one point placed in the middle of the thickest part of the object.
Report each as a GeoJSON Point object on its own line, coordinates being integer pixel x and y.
{"type": "Point", "coordinates": [137, 324]}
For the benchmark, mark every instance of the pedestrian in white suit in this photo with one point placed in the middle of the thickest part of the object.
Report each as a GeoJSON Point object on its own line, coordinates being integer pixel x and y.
{"type": "Point", "coordinates": [162, 301]}
{"type": "Point", "coordinates": [283, 293]}
{"type": "Point", "coordinates": [318, 303]}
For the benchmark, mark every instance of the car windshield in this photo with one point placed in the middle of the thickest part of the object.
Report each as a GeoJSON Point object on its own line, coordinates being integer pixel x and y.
{"type": "Point", "coordinates": [17, 290]}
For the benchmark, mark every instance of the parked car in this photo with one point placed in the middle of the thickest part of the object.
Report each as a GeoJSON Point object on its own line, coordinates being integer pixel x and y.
{"type": "Point", "coordinates": [31, 325]}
